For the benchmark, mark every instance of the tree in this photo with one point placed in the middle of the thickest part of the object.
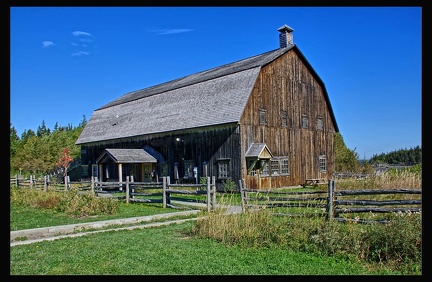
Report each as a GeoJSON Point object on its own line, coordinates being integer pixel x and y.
{"type": "Point", "coordinates": [64, 161]}
{"type": "Point", "coordinates": [42, 130]}
{"type": "Point", "coordinates": [14, 141]}
{"type": "Point", "coordinates": [83, 122]}
{"type": "Point", "coordinates": [346, 160]}
{"type": "Point", "coordinates": [26, 135]}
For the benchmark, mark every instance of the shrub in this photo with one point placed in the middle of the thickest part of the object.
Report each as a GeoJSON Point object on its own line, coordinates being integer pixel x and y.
{"type": "Point", "coordinates": [229, 186]}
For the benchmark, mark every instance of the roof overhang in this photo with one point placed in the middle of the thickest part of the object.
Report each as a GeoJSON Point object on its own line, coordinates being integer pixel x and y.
{"type": "Point", "coordinates": [125, 156]}
{"type": "Point", "coordinates": [257, 155]}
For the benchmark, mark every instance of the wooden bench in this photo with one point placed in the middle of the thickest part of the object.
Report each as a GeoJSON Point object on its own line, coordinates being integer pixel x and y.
{"type": "Point", "coordinates": [314, 182]}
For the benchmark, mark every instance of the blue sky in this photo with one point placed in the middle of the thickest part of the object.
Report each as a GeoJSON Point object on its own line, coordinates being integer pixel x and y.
{"type": "Point", "coordinates": [65, 62]}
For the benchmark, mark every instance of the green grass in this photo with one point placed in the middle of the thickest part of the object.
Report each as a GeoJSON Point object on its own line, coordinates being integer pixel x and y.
{"type": "Point", "coordinates": [24, 217]}
{"type": "Point", "coordinates": [168, 250]}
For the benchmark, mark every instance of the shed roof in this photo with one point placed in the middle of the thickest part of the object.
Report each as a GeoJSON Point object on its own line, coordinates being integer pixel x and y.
{"type": "Point", "coordinates": [127, 156]}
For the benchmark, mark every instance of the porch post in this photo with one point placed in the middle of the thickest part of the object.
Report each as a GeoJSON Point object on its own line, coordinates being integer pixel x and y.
{"type": "Point", "coordinates": [120, 176]}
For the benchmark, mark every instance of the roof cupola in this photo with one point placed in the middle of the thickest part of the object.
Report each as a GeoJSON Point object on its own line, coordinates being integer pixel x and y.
{"type": "Point", "coordinates": [285, 36]}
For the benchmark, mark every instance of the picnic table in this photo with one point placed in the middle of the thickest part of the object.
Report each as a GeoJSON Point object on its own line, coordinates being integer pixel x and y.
{"type": "Point", "coordinates": [314, 182]}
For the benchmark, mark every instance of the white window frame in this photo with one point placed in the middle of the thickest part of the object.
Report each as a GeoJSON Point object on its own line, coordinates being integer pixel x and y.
{"type": "Point", "coordinates": [322, 161]}
{"type": "Point", "coordinates": [223, 168]}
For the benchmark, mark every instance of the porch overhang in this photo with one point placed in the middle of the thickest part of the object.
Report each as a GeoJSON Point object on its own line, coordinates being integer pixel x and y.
{"type": "Point", "coordinates": [125, 156]}
{"type": "Point", "coordinates": [257, 155]}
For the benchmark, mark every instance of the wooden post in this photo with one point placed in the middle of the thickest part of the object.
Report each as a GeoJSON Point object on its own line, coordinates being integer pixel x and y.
{"type": "Point", "coordinates": [330, 200]}
{"type": "Point", "coordinates": [31, 181]}
{"type": "Point", "coordinates": [45, 183]}
{"type": "Point", "coordinates": [214, 192]}
{"type": "Point", "coordinates": [16, 181]}
{"type": "Point", "coordinates": [164, 184]}
{"type": "Point", "coordinates": [168, 193]}
{"type": "Point", "coordinates": [120, 173]}
{"type": "Point", "coordinates": [242, 197]}
{"type": "Point", "coordinates": [96, 184]}
{"type": "Point", "coordinates": [68, 182]}
{"type": "Point", "coordinates": [127, 189]}
{"type": "Point", "coordinates": [92, 180]}
{"type": "Point", "coordinates": [208, 194]}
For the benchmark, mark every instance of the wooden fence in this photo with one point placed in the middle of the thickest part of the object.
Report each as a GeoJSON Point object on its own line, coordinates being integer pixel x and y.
{"type": "Point", "coordinates": [142, 192]}
{"type": "Point", "coordinates": [33, 182]}
{"type": "Point", "coordinates": [336, 205]}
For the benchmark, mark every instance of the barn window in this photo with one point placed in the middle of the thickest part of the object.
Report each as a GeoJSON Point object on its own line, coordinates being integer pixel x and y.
{"type": "Point", "coordinates": [322, 163]}
{"type": "Point", "coordinates": [223, 168]}
{"type": "Point", "coordinates": [284, 118]}
{"type": "Point", "coordinates": [304, 121]}
{"type": "Point", "coordinates": [279, 165]}
{"type": "Point", "coordinates": [263, 116]}
{"type": "Point", "coordinates": [284, 164]}
{"type": "Point", "coordinates": [320, 123]}
{"type": "Point", "coordinates": [265, 170]}
{"type": "Point", "coordinates": [188, 169]}
{"type": "Point", "coordinates": [274, 166]}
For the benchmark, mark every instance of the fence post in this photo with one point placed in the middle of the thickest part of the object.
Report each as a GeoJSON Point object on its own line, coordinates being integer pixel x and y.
{"type": "Point", "coordinates": [16, 181]}
{"type": "Point", "coordinates": [208, 194]}
{"type": "Point", "coordinates": [242, 197]}
{"type": "Point", "coordinates": [164, 192]}
{"type": "Point", "coordinates": [96, 184]}
{"type": "Point", "coordinates": [214, 192]}
{"type": "Point", "coordinates": [127, 189]}
{"type": "Point", "coordinates": [68, 182]}
{"type": "Point", "coordinates": [31, 181]}
{"type": "Point", "coordinates": [92, 184]}
{"type": "Point", "coordinates": [330, 200]}
{"type": "Point", "coordinates": [45, 183]}
{"type": "Point", "coordinates": [168, 193]}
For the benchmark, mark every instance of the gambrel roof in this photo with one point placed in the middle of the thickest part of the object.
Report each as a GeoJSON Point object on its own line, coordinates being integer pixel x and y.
{"type": "Point", "coordinates": [213, 97]}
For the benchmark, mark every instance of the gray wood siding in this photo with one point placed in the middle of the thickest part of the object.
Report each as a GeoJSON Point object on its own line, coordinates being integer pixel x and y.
{"type": "Point", "coordinates": [199, 145]}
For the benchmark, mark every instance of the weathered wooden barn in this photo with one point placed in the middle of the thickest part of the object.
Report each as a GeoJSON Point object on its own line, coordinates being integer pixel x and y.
{"type": "Point", "coordinates": [266, 119]}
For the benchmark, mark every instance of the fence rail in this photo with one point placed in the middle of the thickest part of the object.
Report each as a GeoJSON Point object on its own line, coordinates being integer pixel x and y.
{"type": "Point", "coordinates": [332, 204]}
{"type": "Point", "coordinates": [130, 191]}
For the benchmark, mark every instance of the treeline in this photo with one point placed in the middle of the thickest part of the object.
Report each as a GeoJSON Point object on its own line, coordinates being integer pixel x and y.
{"type": "Point", "coordinates": [39, 152]}
{"type": "Point", "coordinates": [405, 156]}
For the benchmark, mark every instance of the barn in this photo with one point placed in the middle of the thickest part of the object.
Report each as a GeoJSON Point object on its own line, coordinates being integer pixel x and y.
{"type": "Point", "coordinates": [266, 119]}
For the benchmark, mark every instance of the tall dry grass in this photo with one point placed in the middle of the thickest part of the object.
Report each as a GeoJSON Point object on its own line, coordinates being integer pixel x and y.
{"type": "Point", "coordinates": [397, 245]}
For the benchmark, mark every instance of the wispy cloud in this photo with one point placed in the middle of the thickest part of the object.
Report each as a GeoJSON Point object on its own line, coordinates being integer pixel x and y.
{"type": "Point", "coordinates": [170, 31]}
{"type": "Point", "coordinates": [80, 53]}
{"type": "Point", "coordinates": [81, 33]}
{"type": "Point", "coordinates": [85, 38]}
{"type": "Point", "coordinates": [47, 43]}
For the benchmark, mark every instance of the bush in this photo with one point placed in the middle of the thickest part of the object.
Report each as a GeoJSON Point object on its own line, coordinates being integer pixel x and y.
{"type": "Point", "coordinates": [71, 202]}
{"type": "Point", "coordinates": [229, 186]}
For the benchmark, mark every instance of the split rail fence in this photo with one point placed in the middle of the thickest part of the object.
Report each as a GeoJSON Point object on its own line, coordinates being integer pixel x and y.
{"type": "Point", "coordinates": [142, 192]}
{"type": "Point", "coordinates": [337, 205]}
